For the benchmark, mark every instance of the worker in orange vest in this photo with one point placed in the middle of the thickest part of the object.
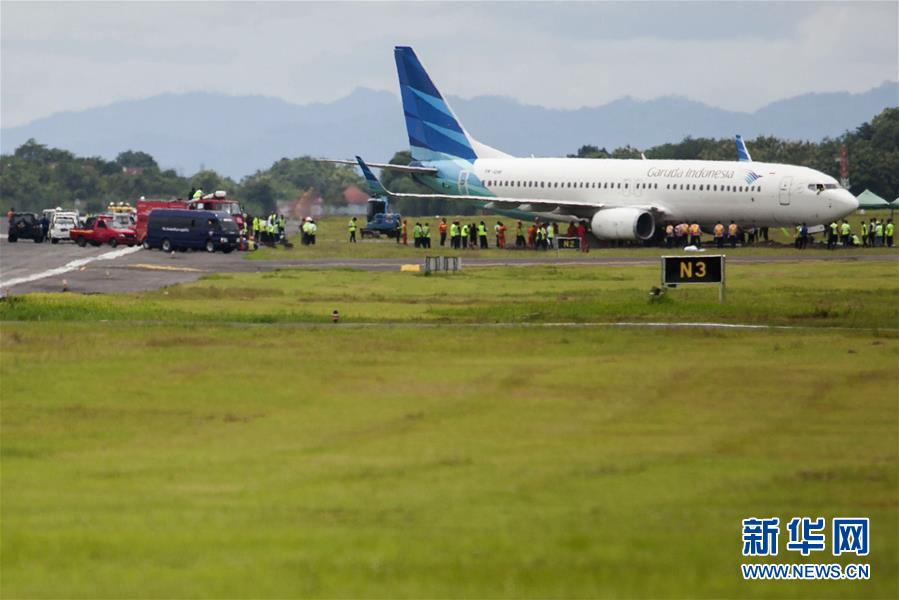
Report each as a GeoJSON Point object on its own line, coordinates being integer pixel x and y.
{"type": "Point", "coordinates": [732, 234]}
{"type": "Point", "coordinates": [442, 228]}
{"type": "Point", "coordinates": [696, 235]}
{"type": "Point", "coordinates": [681, 232]}
{"type": "Point", "coordinates": [403, 234]}
{"type": "Point", "coordinates": [719, 235]}
{"type": "Point", "coordinates": [500, 234]}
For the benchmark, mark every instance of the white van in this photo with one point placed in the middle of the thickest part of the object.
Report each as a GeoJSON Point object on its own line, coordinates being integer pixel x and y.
{"type": "Point", "coordinates": [60, 225]}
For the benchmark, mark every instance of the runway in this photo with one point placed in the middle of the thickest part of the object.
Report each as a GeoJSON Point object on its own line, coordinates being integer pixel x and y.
{"type": "Point", "coordinates": [28, 267]}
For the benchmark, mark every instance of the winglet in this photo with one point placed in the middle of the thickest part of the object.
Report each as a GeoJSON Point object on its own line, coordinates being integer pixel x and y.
{"type": "Point", "coordinates": [742, 151]}
{"type": "Point", "coordinates": [370, 179]}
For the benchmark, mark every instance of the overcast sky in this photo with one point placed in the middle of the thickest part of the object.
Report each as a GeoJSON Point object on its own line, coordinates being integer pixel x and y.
{"type": "Point", "coordinates": [75, 55]}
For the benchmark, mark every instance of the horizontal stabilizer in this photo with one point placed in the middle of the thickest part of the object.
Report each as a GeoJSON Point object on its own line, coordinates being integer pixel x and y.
{"type": "Point", "coordinates": [392, 167]}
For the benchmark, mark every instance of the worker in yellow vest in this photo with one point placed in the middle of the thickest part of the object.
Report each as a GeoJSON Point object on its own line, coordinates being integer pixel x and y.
{"type": "Point", "coordinates": [520, 241]}
{"type": "Point", "coordinates": [352, 229]}
{"type": "Point", "coordinates": [454, 235]}
{"type": "Point", "coordinates": [888, 233]}
{"type": "Point", "coordinates": [864, 226]}
{"type": "Point", "coordinates": [846, 233]}
{"type": "Point", "coordinates": [416, 234]}
{"type": "Point", "coordinates": [832, 236]}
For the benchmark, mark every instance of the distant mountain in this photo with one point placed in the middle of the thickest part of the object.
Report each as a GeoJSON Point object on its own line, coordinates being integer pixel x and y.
{"type": "Point", "coordinates": [238, 135]}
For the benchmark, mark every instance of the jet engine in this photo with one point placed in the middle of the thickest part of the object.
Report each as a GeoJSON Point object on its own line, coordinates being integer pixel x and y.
{"type": "Point", "coordinates": [623, 224]}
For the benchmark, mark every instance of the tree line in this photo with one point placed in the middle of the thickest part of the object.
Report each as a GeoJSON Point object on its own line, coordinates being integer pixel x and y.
{"type": "Point", "coordinates": [873, 150]}
{"type": "Point", "coordinates": [34, 176]}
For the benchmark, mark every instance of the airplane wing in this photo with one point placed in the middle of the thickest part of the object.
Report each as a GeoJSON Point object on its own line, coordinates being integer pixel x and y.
{"type": "Point", "coordinates": [577, 208]}
{"type": "Point", "coordinates": [401, 168]}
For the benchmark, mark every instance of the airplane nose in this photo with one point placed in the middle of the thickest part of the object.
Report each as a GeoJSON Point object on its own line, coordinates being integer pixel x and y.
{"type": "Point", "coordinates": [848, 201]}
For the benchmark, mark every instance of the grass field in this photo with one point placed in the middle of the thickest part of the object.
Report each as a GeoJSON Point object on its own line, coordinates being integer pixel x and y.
{"type": "Point", "coordinates": [221, 439]}
{"type": "Point", "coordinates": [208, 460]}
{"type": "Point", "coordinates": [809, 294]}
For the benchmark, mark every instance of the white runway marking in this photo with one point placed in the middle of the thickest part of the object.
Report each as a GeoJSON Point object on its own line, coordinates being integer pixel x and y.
{"type": "Point", "coordinates": [71, 266]}
{"type": "Point", "coordinates": [323, 325]}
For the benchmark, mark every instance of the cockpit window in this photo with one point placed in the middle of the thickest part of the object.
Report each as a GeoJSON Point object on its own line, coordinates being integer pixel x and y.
{"type": "Point", "coordinates": [820, 187]}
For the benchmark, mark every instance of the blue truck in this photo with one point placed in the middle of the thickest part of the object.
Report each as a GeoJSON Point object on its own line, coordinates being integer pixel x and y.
{"type": "Point", "coordinates": [379, 221]}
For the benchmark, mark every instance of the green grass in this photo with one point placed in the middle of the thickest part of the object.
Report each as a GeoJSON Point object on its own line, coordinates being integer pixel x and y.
{"type": "Point", "coordinates": [209, 460]}
{"type": "Point", "coordinates": [186, 443]}
{"type": "Point", "coordinates": [822, 294]}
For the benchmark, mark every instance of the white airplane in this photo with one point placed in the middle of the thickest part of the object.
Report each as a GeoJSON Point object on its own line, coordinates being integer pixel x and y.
{"type": "Point", "coordinates": [620, 199]}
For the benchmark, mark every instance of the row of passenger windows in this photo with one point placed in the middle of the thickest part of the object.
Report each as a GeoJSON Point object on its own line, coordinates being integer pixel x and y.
{"type": "Point", "coordinates": [556, 184]}
{"type": "Point", "coordinates": [604, 185]}
{"type": "Point", "coordinates": [714, 187]}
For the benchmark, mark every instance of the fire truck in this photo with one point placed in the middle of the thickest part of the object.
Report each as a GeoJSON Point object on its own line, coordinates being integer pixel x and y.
{"type": "Point", "coordinates": [220, 202]}
{"type": "Point", "coordinates": [123, 215]}
{"type": "Point", "coordinates": [217, 201]}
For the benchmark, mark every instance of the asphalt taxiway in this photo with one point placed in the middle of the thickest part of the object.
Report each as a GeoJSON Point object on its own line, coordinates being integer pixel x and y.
{"type": "Point", "coordinates": [29, 267]}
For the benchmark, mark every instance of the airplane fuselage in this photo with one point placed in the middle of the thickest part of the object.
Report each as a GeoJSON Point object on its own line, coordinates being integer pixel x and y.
{"type": "Point", "coordinates": [752, 194]}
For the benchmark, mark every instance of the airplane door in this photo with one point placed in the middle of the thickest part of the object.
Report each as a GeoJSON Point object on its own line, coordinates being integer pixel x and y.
{"type": "Point", "coordinates": [463, 182]}
{"type": "Point", "coordinates": [784, 194]}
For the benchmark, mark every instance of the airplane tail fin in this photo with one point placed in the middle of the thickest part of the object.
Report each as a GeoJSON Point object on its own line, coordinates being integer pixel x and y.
{"type": "Point", "coordinates": [742, 150]}
{"type": "Point", "coordinates": [373, 182]}
{"type": "Point", "coordinates": [435, 132]}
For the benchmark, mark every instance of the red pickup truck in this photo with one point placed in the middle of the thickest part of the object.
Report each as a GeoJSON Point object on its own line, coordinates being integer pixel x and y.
{"type": "Point", "coordinates": [102, 230]}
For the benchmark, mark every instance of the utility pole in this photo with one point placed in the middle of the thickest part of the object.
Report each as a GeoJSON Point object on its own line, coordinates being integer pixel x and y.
{"type": "Point", "coordinates": [844, 167]}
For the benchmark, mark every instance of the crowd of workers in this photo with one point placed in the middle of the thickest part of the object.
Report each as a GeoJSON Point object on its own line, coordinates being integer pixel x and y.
{"type": "Point", "coordinates": [471, 236]}
{"type": "Point", "coordinates": [543, 236]}
{"type": "Point", "coordinates": [680, 235]}
{"type": "Point", "coordinates": [265, 230]}
{"type": "Point", "coordinates": [873, 233]}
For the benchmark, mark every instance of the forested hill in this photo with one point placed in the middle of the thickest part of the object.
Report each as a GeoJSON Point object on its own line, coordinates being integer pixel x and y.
{"type": "Point", "coordinates": [35, 176]}
{"type": "Point", "coordinates": [238, 135]}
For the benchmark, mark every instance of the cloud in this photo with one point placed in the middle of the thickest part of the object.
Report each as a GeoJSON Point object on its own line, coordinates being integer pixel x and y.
{"type": "Point", "coordinates": [71, 56]}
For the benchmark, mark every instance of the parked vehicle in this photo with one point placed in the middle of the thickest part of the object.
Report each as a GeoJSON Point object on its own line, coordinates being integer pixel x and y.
{"type": "Point", "coordinates": [143, 213]}
{"type": "Point", "coordinates": [102, 230]}
{"type": "Point", "coordinates": [219, 201]}
{"type": "Point", "coordinates": [61, 224]}
{"type": "Point", "coordinates": [380, 222]}
{"type": "Point", "coordinates": [182, 229]}
{"type": "Point", "coordinates": [25, 226]}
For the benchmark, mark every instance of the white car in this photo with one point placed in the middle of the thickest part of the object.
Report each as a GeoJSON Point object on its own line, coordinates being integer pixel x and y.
{"type": "Point", "coordinates": [60, 226]}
